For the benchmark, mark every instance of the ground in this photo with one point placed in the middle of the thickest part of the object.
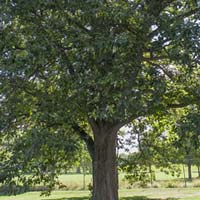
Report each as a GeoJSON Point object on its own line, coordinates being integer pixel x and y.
{"type": "Point", "coordinates": [128, 194]}
{"type": "Point", "coordinates": [167, 188]}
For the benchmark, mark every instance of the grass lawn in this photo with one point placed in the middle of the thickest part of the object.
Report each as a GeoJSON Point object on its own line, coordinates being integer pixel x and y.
{"type": "Point", "coordinates": [74, 184]}
{"type": "Point", "coordinates": [75, 181]}
{"type": "Point", "coordinates": [131, 194]}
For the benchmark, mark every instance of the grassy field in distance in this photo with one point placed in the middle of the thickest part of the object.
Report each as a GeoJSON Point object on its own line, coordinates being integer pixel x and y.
{"type": "Point", "coordinates": [74, 189]}
{"type": "Point", "coordinates": [76, 181]}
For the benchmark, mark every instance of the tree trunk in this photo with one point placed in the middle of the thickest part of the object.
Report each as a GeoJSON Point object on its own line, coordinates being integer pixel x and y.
{"type": "Point", "coordinates": [189, 165]}
{"type": "Point", "coordinates": [105, 179]}
{"type": "Point", "coordinates": [78, 170]}
{"type": "Point", "coordinates": [198, 167]}
{"type": "Point", "coordinates": [189, 171]}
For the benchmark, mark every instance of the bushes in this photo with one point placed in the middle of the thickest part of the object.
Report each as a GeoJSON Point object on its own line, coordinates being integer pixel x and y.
{"type": "Point", "coordinates": [13, 189]}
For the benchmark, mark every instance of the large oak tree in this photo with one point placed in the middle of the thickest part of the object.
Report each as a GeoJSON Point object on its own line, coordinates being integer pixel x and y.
{"type": "Point", "coordinates": [94, 66]}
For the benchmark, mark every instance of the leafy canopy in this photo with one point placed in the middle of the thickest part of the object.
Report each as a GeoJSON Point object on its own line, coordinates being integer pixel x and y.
{"type": "Point", "coordinates": [108, 60]}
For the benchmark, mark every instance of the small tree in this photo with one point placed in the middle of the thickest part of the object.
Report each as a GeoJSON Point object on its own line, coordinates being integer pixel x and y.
{"type": "Point", "coordinates": [188, 140]}
{"type": "Point", "coordinates": [155, 149]}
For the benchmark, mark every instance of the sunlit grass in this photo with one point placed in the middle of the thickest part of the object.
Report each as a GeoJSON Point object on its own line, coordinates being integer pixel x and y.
{"type": "Point", "coordinates": [74, 186]}
{"type": "Point", "coordinates": [132, 194]}
{"type": "Point", "coordinates": [76, 181]}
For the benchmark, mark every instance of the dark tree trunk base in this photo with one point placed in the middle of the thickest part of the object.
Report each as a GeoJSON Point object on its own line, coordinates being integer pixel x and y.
{"type": "Point", "coordinates": [105, 178]}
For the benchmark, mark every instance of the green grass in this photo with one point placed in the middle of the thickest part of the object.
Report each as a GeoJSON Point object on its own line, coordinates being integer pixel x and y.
{"type": "Point", "coordinates": [74, 185]}
{"type": "Point", "coordinates": [163, 176]}
{"type": "Point", "coordinates": [132, 194]}
{"type": "Point", "coordinates": [75, 181]}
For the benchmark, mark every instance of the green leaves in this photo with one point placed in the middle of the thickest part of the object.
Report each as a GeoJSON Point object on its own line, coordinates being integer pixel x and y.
{"type": "Point", "coordinates": [102, 45]}
{"type": "Point", "coordinates": [40, 152]}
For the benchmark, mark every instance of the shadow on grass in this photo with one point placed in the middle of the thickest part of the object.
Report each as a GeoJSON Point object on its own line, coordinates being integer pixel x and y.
{"type": "Point", "coordinates": [70, 198]}
{"type": "Point", "coordinates": [144, 198]}
{"type": "Point", "coordinates": [135, 198]}
{"type": "Point", "coordinates": [122, 198]}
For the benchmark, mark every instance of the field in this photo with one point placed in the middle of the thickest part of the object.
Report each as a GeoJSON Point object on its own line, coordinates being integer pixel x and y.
{"type": "Point", "coordinates": [166, 187]}
{"type": "Point", "coordinates": [131, 194]}
{"type": "Point", "coordinates": [76, 181]}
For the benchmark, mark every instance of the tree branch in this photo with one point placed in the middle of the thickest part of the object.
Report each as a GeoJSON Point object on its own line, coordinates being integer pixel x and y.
{"type": "Point", "coordinates": [178, 105]}
{"type": "Point", "coordinates": [157, 6]}
{"type": "Point", "coordinates": [188, 14]}
{"type": "Point", "coordinates": [86, 138]}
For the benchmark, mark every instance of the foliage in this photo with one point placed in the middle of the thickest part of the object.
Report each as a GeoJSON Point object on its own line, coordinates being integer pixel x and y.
{"type": "Point", "coordinates": [164, 142]}
{"type": "Point", "coordinates": [37, 156]}
{"type": "Point", "coordinates": [155, 149]}
{"type": "Point", "coordinates": [188, 137]}
{"type": "Point", "coordinates": [187, 129]}
{"type": "Point", "coordinates": [136, 170]}
{"type": "Point", "coordinates": [71, 62]}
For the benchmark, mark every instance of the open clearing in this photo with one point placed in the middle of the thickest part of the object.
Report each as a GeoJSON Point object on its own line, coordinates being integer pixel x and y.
{"type": "Point", "coordinates": [131, 194]}
{"type": "Point", "coordinates": [74, 189]}
{"type": "Point", "coordinates": [75, 181]}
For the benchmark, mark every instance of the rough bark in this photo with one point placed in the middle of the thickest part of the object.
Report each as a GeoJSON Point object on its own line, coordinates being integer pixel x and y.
{"type": "Point", "coordinates": [189, 165]}
{"type": "Point", "coordinates": [189, 171]}
{"type": "Point", "coordinates": [78, 170]}
{"type": "Point", "coordinates": [198, 167]}
{"type": "Point", "coordinates": [105, 179]}
{"type": "Point", "coordinates": [103, 154]}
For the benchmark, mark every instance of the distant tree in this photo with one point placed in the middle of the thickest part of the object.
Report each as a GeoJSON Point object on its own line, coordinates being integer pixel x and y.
{"type": "Point", "coordinates": [154, 150]}
{"type": "Point", "coordinates": [91, 67]}
{"type": "Point", "coordinates": [41, 154]}
{"type": "Point", "coordinates": [187, 129]}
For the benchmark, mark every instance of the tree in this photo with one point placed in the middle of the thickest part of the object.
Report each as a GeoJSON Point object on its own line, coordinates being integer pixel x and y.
{"type": "Point", "coordinates": [155, 149]}
{"type": "Point", "coordinates": [96, 65]}
{"type": "Point", "coordinates": [41, 154]}
{"type": "Point", "coordinates": [188, 135]}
